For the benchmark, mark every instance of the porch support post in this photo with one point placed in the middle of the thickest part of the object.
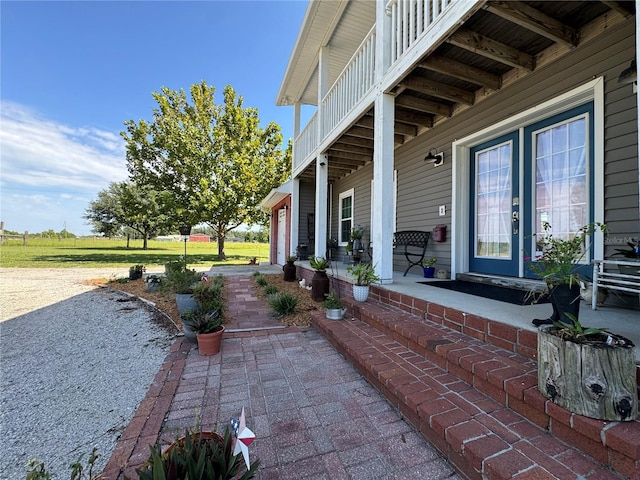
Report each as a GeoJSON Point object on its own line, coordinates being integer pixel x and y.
{"type": "Point", "coordinates": [322, 160]}
{"type": "Point", "coordinates": [382, 213]}
{"type": "Point", "coordinates": [295, 191]}
{"type": "Point", "coordinates": [322, 169]}
{"type": "Point", "coordinates": [294, 216]}
{"type": "Point", "coordinates": [296, 120]}
{"type": "Point", "coordinates": [382, 227]}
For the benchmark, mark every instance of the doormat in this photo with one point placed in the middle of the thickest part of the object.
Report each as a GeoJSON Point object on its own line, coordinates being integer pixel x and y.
{"type": "Point", "coordinates": [494, 292]}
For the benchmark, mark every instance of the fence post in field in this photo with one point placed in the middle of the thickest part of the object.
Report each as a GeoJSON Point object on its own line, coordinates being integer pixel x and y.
{"type": "Point", "coordinates": [25, 239]}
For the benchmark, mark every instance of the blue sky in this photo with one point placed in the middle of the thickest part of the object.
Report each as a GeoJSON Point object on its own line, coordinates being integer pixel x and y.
{"type": "Point", "coordinates": [73, 72]}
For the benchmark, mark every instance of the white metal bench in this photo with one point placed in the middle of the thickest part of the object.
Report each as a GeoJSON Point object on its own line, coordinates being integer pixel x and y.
{"type": "Point", "coordinates": [614, 280]}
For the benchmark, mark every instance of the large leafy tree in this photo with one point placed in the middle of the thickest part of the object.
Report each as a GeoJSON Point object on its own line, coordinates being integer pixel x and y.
{"type": "Point", "coordinates": [212, 163]}
{"type": "Point", "coordinates": [125, 204]}
{"type": "Point", "coordinates": [104, 213]}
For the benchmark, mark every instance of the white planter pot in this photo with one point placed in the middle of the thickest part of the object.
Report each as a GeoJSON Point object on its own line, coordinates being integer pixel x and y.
{"type": "Point", "coordinates": [360, 293]}
{"type": "Point", "coordinates": [335, 313]}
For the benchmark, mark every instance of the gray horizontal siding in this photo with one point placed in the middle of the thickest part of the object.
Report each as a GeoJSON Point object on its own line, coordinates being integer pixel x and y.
{"type": "Point", "coordinates": [422, 188]}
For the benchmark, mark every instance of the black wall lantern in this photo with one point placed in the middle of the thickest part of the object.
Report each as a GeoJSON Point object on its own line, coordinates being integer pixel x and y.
{"type": "Point", "coordinates": [629, 75]}
{"type": "Point", "coordinates": [434, 157]}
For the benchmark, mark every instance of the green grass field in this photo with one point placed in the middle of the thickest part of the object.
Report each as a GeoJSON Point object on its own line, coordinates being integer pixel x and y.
{"type": "Point", "coordinates": [94, 253]}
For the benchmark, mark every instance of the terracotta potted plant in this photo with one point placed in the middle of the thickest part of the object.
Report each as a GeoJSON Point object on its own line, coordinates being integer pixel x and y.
{"type": "Point", "coordinates": [209, 329]}
{"type": "Point", "coordinates": [199, 455]}
{"type": "Point", "coordinates": [334, 309]}
{"type": "Point", "coordinates": [428, 269]}
{"type": "Point", "coordinates": [320, 281]}
{"type": "Point", "coordinates": [364, 275]}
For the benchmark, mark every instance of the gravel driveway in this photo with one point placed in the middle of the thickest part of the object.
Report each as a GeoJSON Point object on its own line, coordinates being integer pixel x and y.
{"type": "Point", "coordinates": [75, 362]}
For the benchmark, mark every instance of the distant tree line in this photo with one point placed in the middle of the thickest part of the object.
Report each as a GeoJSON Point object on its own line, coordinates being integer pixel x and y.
{"type": "Point", "coordinates": [195, 163]}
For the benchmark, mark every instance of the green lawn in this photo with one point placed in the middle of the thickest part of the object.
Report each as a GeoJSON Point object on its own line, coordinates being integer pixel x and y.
{"type": "Point", "coordinates": [90, 252]}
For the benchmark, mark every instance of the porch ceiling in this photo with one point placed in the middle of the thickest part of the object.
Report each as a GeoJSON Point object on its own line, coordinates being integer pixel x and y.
{"type": "Point", "coordinates": [499, 45]}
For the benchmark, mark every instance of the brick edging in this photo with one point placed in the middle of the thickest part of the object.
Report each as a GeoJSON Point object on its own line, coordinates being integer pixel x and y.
{"type": "Point", "coordinates": [132, 448]}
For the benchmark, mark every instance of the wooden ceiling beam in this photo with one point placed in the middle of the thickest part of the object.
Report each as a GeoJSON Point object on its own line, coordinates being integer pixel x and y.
{"type": "Point", "coordinates": [363, 132]}
{"type": "Point", "coordinates": [357, 141]}
{"type": "Point", "coordinates": [462, 71]}
{"type": "Point", "coordinates": [345, 147]}
{"type": "Point", "coordinates": [535, 21]}
{"type": "Point", "coordinates": [489, 48]}
{"type": "Point", "coordinates": [413, 117]}
{"type": "Point", "coordinates": [422, 105]}
{"type": "Point", "coordinates": [618, 7]}
{"type": "Point", "coordinates": [336, 167]}
{"type": "Point", "coordinates": [437, 89]}
{"type": "Point", "coordinates": [359, 158]}
{"type": "Point", "coordinates": [402, 128]}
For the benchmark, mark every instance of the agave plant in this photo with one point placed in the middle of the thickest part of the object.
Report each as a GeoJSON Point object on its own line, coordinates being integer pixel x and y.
{"type": "Point", "coordinates": [198, 456]}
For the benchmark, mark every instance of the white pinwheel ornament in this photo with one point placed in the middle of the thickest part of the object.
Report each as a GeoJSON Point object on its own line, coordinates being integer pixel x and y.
{"type": "Point", "coordinates": [243, 437]}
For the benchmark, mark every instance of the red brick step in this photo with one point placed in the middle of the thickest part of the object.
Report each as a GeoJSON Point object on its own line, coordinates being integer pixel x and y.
{"type": "Point", "coordinates": [477, 402]}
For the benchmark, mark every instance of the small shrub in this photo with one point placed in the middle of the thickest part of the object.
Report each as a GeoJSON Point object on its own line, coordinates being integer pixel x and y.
{"type": "Point", "coordinates": [270, 289]}
{"type": "Point", "coordinates": [282, 303]}
{"type": "Point", "coordinates": [260, 280]}
{"type": "Point", "coordinates": [256, 274]}
{"type": "Point", "coordinates": [37, 470]}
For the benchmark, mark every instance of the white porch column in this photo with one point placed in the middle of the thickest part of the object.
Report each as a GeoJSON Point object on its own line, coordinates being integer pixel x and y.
{"type": "Point", "coordinates": [294, 238]}
{"type": "Point", "coordinates": [296, 120]}
{"type": "Point", "coordinates": [322, 169]}
{"type": "Point", "coordinates": [322, 161]}
{"type": "Point", "coordinates": [382, 228]}
{"type": "Point", "coordinates": [383, 155]}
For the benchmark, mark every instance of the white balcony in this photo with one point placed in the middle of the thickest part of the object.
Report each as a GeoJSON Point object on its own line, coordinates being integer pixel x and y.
{"type": "Point", "coordinates": [415, 28]}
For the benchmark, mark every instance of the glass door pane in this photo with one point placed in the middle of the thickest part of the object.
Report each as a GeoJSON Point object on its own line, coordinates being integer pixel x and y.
{"type": "Point", "coordinates": [561, 189]}
{"type": "Point", "coordinates": [493, 202]}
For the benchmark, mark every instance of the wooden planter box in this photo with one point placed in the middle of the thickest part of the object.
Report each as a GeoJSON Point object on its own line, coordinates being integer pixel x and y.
{"type": "Point", "coordinates": [595, 380]}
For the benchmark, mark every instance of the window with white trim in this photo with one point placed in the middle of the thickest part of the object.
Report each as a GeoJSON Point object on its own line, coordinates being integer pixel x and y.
{"type": "Point", "coordinates": [345, 221]}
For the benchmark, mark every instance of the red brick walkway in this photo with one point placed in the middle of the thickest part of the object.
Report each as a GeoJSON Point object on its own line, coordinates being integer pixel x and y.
{"type": "Point", "coordinates": [313, 414]}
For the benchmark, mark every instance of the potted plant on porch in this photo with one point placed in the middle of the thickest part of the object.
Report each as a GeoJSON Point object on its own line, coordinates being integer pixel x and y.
{"type": "Point", "coordinates": [558, 265]}
{"type": "Point", "coordinates": [364, 275]}
{"type": "Point", "coordinates": [289, 269]}
{"type": "Point", "coordinates": [334, 309]}
{"type": "Point", "coordinates": [428, 269]}
{"type": "Point", "coordinates": [320, 281]}
{"type": "Point", "coordinates": [587, 371]}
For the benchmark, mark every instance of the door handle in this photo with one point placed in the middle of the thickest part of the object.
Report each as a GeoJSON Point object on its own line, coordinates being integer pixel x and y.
{"type": "Point", "coordinates": [515, 217]}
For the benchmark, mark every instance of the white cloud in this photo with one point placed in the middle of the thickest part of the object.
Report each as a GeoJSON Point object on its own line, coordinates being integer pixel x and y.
{"type": "Point", "coordinates": [50, 172]}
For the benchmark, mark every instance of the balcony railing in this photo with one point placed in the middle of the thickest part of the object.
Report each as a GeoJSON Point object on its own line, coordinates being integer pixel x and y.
{"type": "Point", "coordinates": [352, 84]}
{"type": "Point", "coordinates": [410, 20]}
{"type": "Point", "coordinates": [306, 142]}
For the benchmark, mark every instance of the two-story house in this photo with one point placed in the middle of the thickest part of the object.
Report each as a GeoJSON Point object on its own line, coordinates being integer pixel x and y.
{"type": "Point", "coordinates": [488, 117]}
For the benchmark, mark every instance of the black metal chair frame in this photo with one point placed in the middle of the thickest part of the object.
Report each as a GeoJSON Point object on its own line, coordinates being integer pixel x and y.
{"type": "Point", "coordinates": [413, 245]}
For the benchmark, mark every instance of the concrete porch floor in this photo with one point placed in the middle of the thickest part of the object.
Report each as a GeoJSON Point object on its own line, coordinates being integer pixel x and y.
{"type": "Point", "coordinates": [623, 321]}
